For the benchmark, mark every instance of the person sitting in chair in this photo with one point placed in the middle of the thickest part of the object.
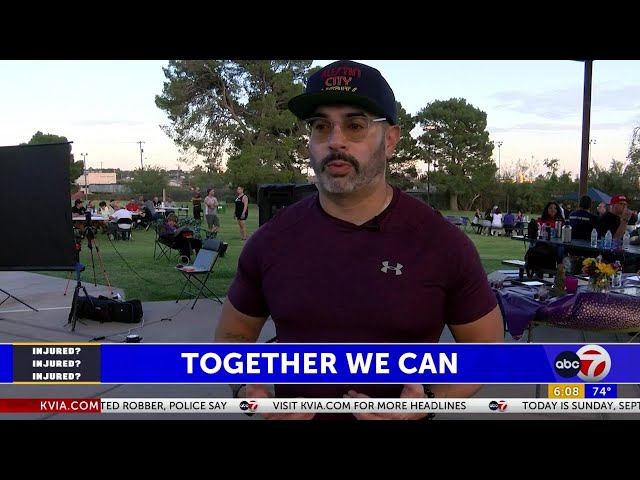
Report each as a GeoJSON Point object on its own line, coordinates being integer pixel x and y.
{"type": "Point", "coordinates": [115, 227]}
{"type": "Point", "coordinates": [179, 238]}
{"type": "Point", "coordinates": [78, 208]}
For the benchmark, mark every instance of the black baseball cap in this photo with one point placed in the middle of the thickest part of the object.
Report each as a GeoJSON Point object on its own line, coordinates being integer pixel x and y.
{"type": "Point", "coordinates": [347, 83]}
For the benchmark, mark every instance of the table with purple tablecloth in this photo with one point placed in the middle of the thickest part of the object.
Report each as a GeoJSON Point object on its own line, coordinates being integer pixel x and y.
{"type": "Point", "coordinates": [585, 310]}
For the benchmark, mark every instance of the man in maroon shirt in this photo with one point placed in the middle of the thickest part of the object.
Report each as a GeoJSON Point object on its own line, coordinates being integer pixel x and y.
{"type": "Point", "coordinates": [361, 261]}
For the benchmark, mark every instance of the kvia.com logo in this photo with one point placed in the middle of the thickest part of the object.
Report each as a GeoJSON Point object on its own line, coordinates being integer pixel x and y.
{"type": "Point", "coordinates": [590, 363]}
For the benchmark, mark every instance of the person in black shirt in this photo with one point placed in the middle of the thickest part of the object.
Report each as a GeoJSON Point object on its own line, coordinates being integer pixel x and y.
{"type": "Point", "coordinates": [197, 204]}
{"type": "Point", "coordinates": [78, 208]}
{"type": "Point", "coordinates": [616, 219]}
{"type": "Point", "coordinates": [180, 239]}
{"type": "Point", "coordinates": [582, 221]}
{"type": "Point", "coordinates": [241, 212]}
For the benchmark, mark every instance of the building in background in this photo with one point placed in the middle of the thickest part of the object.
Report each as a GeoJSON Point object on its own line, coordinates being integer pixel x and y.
{"type": "Point", "coordinates": [98, 182]}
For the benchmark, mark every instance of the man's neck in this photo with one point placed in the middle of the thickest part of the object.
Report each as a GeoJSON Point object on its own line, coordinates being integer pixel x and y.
{"type": "Point", "coordinates": [358, 207]}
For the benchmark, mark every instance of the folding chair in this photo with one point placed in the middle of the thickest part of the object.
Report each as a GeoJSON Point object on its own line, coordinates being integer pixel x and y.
{"type": "Point", "coordinates": [198, 274]}
{"type": "Point", "coordinates": [163, 245]}
{"type": "Point", "coordinates": [124, 232]}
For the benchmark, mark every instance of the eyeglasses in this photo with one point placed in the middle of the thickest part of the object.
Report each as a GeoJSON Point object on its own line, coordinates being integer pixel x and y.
{"type": "Point", "coordinates": [354, 128]}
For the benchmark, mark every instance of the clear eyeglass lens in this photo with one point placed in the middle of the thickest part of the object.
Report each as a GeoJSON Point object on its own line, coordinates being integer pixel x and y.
{"type": "Point", "coordinates": [353, 128]}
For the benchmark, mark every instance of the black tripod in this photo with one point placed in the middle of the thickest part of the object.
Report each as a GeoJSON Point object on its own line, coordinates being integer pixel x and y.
{"type": "Point", "coordinates": [91, 244]}
{"type": "Point", "coordinates": [73, 314]}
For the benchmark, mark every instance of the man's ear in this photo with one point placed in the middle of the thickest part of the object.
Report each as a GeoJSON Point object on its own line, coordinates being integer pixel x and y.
{"type": "Point", "coordinates": [391, 138]}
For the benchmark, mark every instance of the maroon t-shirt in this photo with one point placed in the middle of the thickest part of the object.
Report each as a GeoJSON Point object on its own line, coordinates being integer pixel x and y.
{"type": "Point", "coordinates": [399, 278]}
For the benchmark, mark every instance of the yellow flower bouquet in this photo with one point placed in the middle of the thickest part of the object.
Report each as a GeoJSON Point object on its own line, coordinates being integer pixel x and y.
{"type": "Point", "coordinates": [600, 273]}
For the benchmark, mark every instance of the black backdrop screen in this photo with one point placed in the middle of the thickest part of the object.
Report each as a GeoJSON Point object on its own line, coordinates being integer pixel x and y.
{"type": "Point", "coordinates": [35, 201]}
{"type": "Point", "coordinates": [274, 196]}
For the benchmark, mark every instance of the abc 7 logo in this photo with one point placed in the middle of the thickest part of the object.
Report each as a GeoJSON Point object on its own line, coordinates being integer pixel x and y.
{"type": "Point", "coordinates": [251, 405]}
{"type": "Point", "coordinates": [500, 406]}
{"type": "Point", "coordinates": [591, 363]}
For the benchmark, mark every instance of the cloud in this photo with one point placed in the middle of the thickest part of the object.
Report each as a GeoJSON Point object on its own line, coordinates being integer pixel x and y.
{"type": "Point", "coordinates": [567, 102]}
{"type": "Point", "coordinates": [559, 127]}
{"type": "Point", "coordinates": [621, 98]}
{"type": "Point", "coordinates": [554, 105]}
{"type": "Point", "coordinates": [107, 123]}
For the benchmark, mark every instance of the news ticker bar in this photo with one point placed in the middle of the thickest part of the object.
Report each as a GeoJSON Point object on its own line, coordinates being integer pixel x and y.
{"type": "Point", "coordinates": [316, 405]}
{"type": "Point", "coordinates": [275, 363]}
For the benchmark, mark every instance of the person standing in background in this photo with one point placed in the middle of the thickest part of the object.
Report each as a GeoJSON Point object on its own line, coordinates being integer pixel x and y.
{"type": "Point", "coordinates": [211, 213]}
{"type": "Point", "coordinates": [241, 212]}
{"type": "Point", "coordinates": [197, 204]}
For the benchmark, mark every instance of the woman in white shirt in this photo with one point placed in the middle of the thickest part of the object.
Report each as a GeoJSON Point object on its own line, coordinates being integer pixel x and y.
{"type": "Point", "coordinates": [496, 222]}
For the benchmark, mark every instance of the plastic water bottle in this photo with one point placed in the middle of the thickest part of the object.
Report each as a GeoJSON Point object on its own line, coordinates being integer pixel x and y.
{"type": "Point", "coordinates": [626, 241]}
{"type": "Point", "coordinates": [594, 238]}
{"type": "Point", "coordinates": [608, 240]}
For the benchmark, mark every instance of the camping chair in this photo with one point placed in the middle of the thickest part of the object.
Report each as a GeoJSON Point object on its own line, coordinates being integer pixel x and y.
{"type": "Point", "coordinates": [163, 245]}
{"type": "Point", "coordinates": [194, 225]}
{"type": "Point", "coordinates": [198, 274]}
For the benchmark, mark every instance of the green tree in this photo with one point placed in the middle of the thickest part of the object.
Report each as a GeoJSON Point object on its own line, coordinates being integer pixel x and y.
{"type": "Point", "coordinates": [614, 180]}
{"type": "Point", "coordinates": [402, 167]}
{"type": "Point", "coordinates": [457, 132]}
{"type": "Point", "coordinates": [203, 178]}
{"type": "Point", "coordinates": [237, 109]}
{"type": "Point", "coordinates": [632, 171]}
{"type": "Point", "coordinates": [75, 168]}
{"type": "Point", "coordinates": [148, 182]}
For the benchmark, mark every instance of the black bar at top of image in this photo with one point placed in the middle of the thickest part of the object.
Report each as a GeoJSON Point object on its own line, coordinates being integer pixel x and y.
{"type": "Point", "coordinates": [56, 363]}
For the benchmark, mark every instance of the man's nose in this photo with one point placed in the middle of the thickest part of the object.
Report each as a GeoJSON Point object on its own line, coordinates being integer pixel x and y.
{"type": "Point", "coordinates": [337, 137]}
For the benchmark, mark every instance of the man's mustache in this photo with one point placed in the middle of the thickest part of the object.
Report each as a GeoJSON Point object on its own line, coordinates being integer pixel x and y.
{"type": "Point", "coordinates": [342, 157]}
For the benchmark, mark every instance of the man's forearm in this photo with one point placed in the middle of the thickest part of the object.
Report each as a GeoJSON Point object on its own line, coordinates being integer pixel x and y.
{"type": "Point", "coordinates": [454, 391]}
{"type": "Point", "coordinates": [226, 336]}
{"type": "Point", "coordinates": [621, 229]}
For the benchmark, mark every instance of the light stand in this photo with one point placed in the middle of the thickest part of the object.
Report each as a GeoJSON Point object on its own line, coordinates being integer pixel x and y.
{"type": "Point", "coordinates": [73, 314]}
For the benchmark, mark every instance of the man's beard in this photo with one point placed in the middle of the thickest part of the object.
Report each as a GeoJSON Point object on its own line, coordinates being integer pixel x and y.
{"type": "Point", "coordinates": [358, 177]}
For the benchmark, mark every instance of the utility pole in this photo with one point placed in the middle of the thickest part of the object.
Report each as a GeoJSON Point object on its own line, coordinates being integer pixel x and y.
{"type": "Point", "coordinates": [586, 126]}
{"type": "Point", "coordinates": [141, 150]}
{"type": "Point", "coordinates": [84, 167]}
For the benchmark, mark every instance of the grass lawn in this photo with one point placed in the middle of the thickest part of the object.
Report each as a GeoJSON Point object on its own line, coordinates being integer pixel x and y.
{"type": "Point", "coordinates": [130, 265]}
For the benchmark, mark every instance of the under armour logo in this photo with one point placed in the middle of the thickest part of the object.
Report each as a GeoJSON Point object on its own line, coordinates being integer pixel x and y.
{"type": "Point", "coordinates": [386, 267]}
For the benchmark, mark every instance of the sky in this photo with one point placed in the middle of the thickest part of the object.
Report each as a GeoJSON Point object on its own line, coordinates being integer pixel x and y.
{"type": "Point", "coordinates": [534, 107]}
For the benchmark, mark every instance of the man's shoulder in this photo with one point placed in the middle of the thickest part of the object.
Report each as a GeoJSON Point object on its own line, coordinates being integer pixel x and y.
{"type": "Point", "coordinates": [418, 214]}
{"type": "Point", "coordinates": [414, 217]}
